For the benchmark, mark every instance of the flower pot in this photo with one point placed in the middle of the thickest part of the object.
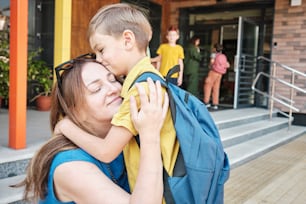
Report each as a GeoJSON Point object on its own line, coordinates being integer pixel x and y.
{"type": "Point", "coordinates": [43, 103]}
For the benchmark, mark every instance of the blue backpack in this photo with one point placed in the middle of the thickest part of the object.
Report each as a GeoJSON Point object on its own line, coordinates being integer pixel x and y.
{"type": "Point", "coordinates": [202, 166]}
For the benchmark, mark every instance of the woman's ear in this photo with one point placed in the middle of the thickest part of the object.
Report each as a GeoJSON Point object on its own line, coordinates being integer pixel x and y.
{"type": "Point", "coordinates": [129, 39]}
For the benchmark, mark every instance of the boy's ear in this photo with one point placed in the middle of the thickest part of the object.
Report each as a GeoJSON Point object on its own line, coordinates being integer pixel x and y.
{"type": "Point", "coordinates": [129, 39]}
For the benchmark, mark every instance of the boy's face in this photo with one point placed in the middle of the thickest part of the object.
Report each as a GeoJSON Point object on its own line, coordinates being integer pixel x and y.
{"type": "Point", "coordinates": [110, 51]}
{"type": "Point", "coordinates": [172, 36]}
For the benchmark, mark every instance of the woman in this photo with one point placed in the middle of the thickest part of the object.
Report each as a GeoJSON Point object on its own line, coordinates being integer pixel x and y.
{"type": "Point", "coordinates": [192, 65]}
{"type": "Point", "coordinates": [89, 95]}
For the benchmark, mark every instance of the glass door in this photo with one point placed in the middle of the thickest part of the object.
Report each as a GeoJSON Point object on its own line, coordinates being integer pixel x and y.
{"type": "Point", "coordinates": [245, 63]}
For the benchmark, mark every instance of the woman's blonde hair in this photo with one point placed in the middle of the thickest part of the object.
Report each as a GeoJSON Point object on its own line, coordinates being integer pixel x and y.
{"type": "Point", "coordinates": [113, 19]}
{"type": "Point", "coordinates": [66, 103]}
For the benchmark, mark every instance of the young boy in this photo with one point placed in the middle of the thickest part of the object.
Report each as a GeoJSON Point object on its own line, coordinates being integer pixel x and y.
{"type": "Point", "coordinates": [119, 35]}
{"type": "Point", "coordinates": [169, 55]}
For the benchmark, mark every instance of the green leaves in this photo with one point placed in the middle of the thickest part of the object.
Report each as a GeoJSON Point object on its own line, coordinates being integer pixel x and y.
{"type": "Point", "coordinates": [4, 64]}
{"type": "Point", "coordinates": [39, 72]}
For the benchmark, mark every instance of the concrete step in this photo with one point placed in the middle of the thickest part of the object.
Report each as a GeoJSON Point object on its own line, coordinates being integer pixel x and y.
{"type": "Point", "coordinates": [241, 133]}
{"type": "Point", "coordinates": [233, 117]}
{"type": "Point", "coordinates": [14, 162]}
{"type": "Point", "coordinates": [8, 194]}
{"type": "Point", "coordinates": [246, 151]}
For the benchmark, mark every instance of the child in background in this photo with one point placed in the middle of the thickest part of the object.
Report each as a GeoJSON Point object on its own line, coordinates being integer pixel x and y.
{"type": "Point", "coordinates": [192, 65]}
{"type": "Point", "coordinates": [119, 34]}
{"type": "Point", "coordinates": [169, 55]}
{"type": "Point", "coordinates": [213, 80]}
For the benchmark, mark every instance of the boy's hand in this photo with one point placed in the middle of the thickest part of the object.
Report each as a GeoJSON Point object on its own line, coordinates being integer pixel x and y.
{"type": "Point", "coordinates": [62, 125]}
{"type": "Point", "coordinates": [150, 118]}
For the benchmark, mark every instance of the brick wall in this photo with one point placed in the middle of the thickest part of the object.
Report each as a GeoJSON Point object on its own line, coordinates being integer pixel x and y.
{"type": "Point", "coordinates": [176, 5]}
{"type": "Point", "coordinates": [82, 12]}
{"type": "Point", "coordinates": [290, 35]}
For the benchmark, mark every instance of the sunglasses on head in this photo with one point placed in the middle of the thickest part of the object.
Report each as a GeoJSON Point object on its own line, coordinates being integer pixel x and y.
{"type": "Point", "coordinates": [60, 69]}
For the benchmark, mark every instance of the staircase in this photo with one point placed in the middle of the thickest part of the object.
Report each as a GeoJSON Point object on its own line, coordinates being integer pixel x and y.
{"type": "Point", "coordinates": [13, 164]}
{"type": "Point", "coordinates": [246, 134]}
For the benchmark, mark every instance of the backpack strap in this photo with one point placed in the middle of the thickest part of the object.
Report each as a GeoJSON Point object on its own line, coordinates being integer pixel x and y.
{"type": "Point", "coordinates": [173, 70]}
{"type": "Point", "coordinates": [143, 77]}
{"type": "Point", "coordinates": [179, 167]}
{"type": "Point", "coordinates": [167, 192]}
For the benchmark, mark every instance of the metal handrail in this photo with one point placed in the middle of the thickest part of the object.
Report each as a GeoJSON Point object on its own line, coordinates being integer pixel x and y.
{"type": "Point", "coordinates": [288, 102]}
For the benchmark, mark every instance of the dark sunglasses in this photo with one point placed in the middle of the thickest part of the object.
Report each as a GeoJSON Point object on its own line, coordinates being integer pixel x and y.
{"type": "Point", "coordinates": [70, 65]}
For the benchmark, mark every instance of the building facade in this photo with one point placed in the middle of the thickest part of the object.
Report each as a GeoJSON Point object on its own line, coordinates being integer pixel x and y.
{"type": "Point", "coordinates": [274, 30]}
{"type": "Point", "coordinates": [280, 37]}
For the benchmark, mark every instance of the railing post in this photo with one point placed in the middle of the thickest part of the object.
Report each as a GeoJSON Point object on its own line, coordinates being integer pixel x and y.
{"type": "Point", "coordinates": [283, 100]}
{"type": "Point", "coordinates": [272, 90]}
{"type": "Point", "coordinates": [291, 99]}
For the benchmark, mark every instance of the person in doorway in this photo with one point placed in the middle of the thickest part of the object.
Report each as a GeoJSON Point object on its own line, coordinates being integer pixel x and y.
{"type": "Point", "coordinates": [119, 35]}
{"type": "Point", "coordinates": [213, 80]}
{"type": "Point", "coordinates": [61, 172]}
{"type": "Point", "coordinates": [192, 65]}
{"type": "Point", "coordinates": [169, 55]}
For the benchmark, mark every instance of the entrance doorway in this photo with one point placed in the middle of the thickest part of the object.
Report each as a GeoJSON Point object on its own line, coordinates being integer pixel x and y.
{"type": "Point", "coordinates": [245, 33]}
{"type": "Point", "coordinates": [241, 39]}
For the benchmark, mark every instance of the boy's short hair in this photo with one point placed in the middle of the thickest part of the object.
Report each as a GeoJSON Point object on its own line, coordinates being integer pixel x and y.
{"type": "Point", "coordinates": [173, 28]}
{"type": "Point", "coordinates": [113, 19]}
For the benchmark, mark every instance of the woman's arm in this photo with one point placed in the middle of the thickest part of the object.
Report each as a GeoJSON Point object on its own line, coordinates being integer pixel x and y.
{"type": "Point", "coordinates": [195, 53]}
{"type": "Point", "coordinates": [149, 179]}
{"type": "Point", "coordinates": [87, 184]}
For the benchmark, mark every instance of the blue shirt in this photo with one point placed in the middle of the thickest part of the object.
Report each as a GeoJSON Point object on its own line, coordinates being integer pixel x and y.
{"type": "Point", "coordinates": [115, 170]}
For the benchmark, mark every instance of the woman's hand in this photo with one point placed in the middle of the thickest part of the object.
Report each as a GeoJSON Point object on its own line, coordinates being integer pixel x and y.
{"type": "Point", "coordinates": [149, 121]}
{"type": "Point", "coordinates": [151, 116]}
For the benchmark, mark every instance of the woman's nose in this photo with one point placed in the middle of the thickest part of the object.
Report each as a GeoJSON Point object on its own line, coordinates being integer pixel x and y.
{"type": "Point", "coordinates": [112, 88]}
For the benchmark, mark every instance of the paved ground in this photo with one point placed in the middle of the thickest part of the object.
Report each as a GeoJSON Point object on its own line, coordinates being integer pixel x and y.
{"type": "Point", "coordinates": [277, 177]}
{"type": "Point", "coordinates": [38, 128]}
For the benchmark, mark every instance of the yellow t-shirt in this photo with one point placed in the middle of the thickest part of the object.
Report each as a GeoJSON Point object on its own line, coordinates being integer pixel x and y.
{"type": "Point", "coordinates": [169, 143]}
{"type": "Point", "coordinates": [170, 56]}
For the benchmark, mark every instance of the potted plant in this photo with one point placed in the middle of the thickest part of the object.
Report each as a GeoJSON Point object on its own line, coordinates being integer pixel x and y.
{"type": "Point", "coordinates": [4, 67]}
{"type": "Point", "coordinates": [41, 74]}
{"type": "Point", "coordinates": [4, 79]}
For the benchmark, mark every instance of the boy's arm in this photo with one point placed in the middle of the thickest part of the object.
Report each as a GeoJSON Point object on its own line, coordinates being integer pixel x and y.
{"type": "Point", "coordinates": [105, 150]}
{"type": "Point", "coordinates": [156, 61]}
{"type": "Point", "coordinates": [159, 52]}
{"type": "Point", "coordinates": [180, 77]}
